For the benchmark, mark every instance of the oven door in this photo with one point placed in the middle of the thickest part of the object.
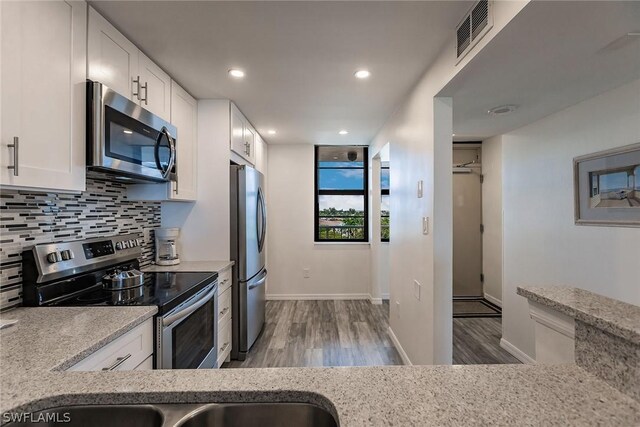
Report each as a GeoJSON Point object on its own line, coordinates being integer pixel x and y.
{"type": "Point", "coordinates": [189, 333]}
{"type": "Point", "coordinates": [129, 140]}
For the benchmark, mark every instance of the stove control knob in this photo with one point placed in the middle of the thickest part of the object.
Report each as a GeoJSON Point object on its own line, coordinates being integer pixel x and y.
{"type": "Point", "coordinates": [54, 257]}
{"type": "Point", "coordinates": [67, 255]}
{"type": "Point", "coordinates": [119, 245]}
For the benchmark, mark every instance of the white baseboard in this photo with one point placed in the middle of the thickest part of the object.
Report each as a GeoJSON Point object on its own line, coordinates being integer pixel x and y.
{"type": "Point", "coordinates": [493, 300]}
{"type": "Point", "coordinates": [403, 354]}
{"type": "Point", "coordinates": [516, 352]}
{"type": "Point", "coordinates": [290, 297]}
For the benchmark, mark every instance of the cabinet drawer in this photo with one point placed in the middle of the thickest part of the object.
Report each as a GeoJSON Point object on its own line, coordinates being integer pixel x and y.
{"type": "Point", "coordinates": [123, 354]}
{"type": "Point", "coordinates": [224, 342]}
{"type": "Point", "coordinates": [146, 365]}
{"type": "Point", "coordinates": [224, 279]}
{"type": "Point", "coordinates": [224, 308]}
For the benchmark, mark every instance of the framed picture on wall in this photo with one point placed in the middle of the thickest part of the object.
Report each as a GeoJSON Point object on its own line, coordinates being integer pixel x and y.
{"type": "Point", "coordinates": [607, 187]}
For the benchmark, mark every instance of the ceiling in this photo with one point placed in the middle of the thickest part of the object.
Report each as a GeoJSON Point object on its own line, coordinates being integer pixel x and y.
{"type": "Point", "coordinates": [299, 57]}
{"type": "Point", "coordinates": [551, 56]}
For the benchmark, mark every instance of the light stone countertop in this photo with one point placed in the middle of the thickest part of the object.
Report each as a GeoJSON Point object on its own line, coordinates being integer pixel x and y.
{"type": "Point", "coordinates": [190, 266]}
{"type": "Point", "coordinates": [49, 339]}
{"type": "Point", "coordinates": [610, 315]}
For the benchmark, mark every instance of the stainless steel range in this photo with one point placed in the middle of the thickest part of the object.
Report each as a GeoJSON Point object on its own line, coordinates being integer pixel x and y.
{"type": "Point", "coordinates": [105, 271]}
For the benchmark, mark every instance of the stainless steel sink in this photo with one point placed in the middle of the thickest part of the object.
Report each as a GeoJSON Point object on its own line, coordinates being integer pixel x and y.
{"type": "Point", "coordinates": [185, 415]}
{"type": "Point", "coordinates": [97, 416]}
{"type": "Point", "coordinates": [259, 415]}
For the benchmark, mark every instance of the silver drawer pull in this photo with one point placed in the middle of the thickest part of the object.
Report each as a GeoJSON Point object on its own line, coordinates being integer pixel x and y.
{"type": "Point", "coordinates": [119, 361]}
{"type": "Point", "coordinates": [224, 311]}
{"type": "Point", "coordinates": [16, 149]}
{"type": "Point", "coordinates": [224, 281]}
{"type": "Point", "coordinates": [224, 347]}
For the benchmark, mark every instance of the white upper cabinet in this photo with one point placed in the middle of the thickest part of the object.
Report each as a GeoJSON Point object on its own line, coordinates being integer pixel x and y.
{"type": "Point", "coordinates": [112, 58]}
{"type": "Point", "coordinates": [116, 62]}
{"type": "Point", "coordinates": [155, 87]}
{"type": "Point", "coordinates": [243, 135]}
{"type": "Point", "coordinates": [184, 116]}
{"type": "Point", "coordinates": [42, 130]}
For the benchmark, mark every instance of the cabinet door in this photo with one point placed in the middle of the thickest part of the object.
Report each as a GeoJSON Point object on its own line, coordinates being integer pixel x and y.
{"type": "Point", "coordinates": [250, 142]}
{"type": "Point", "coordinates": [184, 116]}
{"type": "Point", "coordinates": [43, 94]}
{"type": "Point", "coordinates": [238, 145]}
{"type": "Point", "coordinates": [155, 87]}
{"type": "Point", "coordinates": [112, 59]}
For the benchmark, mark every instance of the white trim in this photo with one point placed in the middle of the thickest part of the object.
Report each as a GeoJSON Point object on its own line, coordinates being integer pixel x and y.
{"type": "Point", "coordinates": [403, 354]}
{"type": "Point", "coordinates": [553, 319]}
{"type": "Point", "coordinates": [289, 297]}
{"type": "Point", "coordinates": [375, 301]}
{"type": "Point", "coordinates": [516, 352]}
{"type": "Point", "coordinates": [493, 300]}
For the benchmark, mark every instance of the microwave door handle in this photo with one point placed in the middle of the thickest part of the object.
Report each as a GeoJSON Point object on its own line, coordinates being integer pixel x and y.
{"type": "Point", "coordinates": [172, 157]}
{"type": "Point", "coordinates": [167, 321]}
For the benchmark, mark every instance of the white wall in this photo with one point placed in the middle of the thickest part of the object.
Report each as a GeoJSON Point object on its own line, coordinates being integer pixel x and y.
{"type": "Point", "coordinates": [492, 218]}
{"type": "Point", "coordinates": [419, 133]}
{"type": "Point", "coordinates": [542, 246]}
{"type": "Point", "coordinates": [205, 233]}
{"type": "Point", "coordinates": [336, 270]}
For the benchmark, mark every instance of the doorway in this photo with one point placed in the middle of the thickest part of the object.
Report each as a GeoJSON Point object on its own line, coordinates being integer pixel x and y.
{"type": "Point", "coordinates": [468, 277]}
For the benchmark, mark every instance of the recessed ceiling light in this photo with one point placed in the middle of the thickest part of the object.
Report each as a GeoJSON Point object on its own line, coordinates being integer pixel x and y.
{"type": "Point", "coordinates": [362, 74]}
{"type": "Point", "coordinates": [272, 132]}
{"type": "Point", "coordinates": [502, 110]}
{"type": "Point", "coordinates": [238, 74]}
{"type": "Point", "coordinates": [343, 132]}
{"type": "Point", "coordinates": [128, 132]}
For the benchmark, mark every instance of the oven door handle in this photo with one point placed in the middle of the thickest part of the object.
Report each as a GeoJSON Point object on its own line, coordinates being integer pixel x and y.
{"type": "Point", "coordinates": [167, 321]}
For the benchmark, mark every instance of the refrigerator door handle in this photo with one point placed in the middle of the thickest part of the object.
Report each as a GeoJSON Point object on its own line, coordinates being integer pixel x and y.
{"type": "Point", "coordinates": [259, 282]}
{"type": "Point", "coordinates": [261, 219]}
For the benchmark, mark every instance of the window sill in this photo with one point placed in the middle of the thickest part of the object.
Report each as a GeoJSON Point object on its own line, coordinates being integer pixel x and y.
{"type": "Point", "coordinates": [342, 243]}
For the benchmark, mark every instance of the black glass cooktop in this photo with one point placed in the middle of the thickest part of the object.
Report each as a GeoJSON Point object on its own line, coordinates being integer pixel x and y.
{"type": "Point", "coordinates": [166, 290]}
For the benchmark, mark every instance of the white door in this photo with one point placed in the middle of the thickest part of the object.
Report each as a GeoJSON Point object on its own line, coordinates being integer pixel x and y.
{"type": "Point", "coordinates": [43, 94]}
{"type": "Point", "coordinates": [112, 58]}
{"type": "Point", "coordinates": [184, 113]}
{"type": "Point", "coordinates": [238, 145]}
{"type": "Point", "coordinates": [155, 87]}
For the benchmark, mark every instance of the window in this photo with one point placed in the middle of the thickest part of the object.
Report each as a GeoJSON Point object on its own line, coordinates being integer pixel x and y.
{"type": "Point", "coordinates": [341, 202]}
{"type": "Point", "coordinates": [384, 205]}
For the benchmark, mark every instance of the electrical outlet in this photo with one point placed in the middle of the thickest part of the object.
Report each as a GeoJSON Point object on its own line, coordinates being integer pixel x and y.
{"type": "Point", "coordinates": [306, 273]}
{"type": "Point", "coordinates": [420, 189]}
{"type": "Point", "coordinates": [417, 288]}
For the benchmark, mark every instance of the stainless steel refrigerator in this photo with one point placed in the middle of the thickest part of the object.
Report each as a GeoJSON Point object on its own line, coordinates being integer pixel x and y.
{"type": "Point", "coordinates": [248, 233]}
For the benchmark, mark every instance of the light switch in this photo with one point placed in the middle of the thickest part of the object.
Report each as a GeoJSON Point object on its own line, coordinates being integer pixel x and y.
{"type": "Point", "coordinates": [306, 273]}
{"type": "Point", "coordinates": [420, 189]}
{"type": "Point", "coordinates": [425, 225]}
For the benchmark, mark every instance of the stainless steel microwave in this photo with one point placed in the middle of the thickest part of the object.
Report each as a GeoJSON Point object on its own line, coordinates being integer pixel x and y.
{"type": "Point", "coordinates": [125, 140]}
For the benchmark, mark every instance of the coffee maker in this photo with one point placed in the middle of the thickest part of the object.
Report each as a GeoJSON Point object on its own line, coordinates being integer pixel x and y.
{"type": "Point", "coordinates": [167, 246]}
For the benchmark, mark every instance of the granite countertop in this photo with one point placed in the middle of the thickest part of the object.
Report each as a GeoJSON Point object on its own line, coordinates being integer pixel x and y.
{"type": "Point", "coordinates": [610, 315]}
{"type": "Point", "coordinates": [47, 340]}
{"type": "Point", "coordinates": [192, 266]}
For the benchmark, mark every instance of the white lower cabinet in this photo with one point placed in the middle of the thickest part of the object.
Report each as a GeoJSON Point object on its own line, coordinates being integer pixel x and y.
{"type": "Point", "coordinates": [133, 350]}
{"type": "Point", "coordinates": [224, 316]}
{"type": "Point", "coordinates": [43, 103]}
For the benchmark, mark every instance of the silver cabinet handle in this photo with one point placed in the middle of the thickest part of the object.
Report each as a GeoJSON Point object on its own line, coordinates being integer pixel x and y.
{"type": "Point", "coordinates": [146, 92]}
{"type": "Point", "coordinates": [16, 151]}
{"type": "Point", "coordinates": [224, 311]}
{"type": "Point", "coordinates": [136, 92]}
{"type": "Point", "coordinates": [119, 361]}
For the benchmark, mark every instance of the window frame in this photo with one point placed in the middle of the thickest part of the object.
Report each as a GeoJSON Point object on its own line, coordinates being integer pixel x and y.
{"type": "Point", "coordinates": [384, 192]}
{"type": "Point", "coordinates": [318, 192]}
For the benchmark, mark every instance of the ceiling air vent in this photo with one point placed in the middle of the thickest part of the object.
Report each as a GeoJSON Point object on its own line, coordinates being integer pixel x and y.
{"type": "Point", "coordinates": [475, 24]}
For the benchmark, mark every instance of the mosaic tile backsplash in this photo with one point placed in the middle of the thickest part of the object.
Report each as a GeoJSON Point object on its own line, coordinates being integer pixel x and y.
{"type": "Point", "coordinates": [28, 218]}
